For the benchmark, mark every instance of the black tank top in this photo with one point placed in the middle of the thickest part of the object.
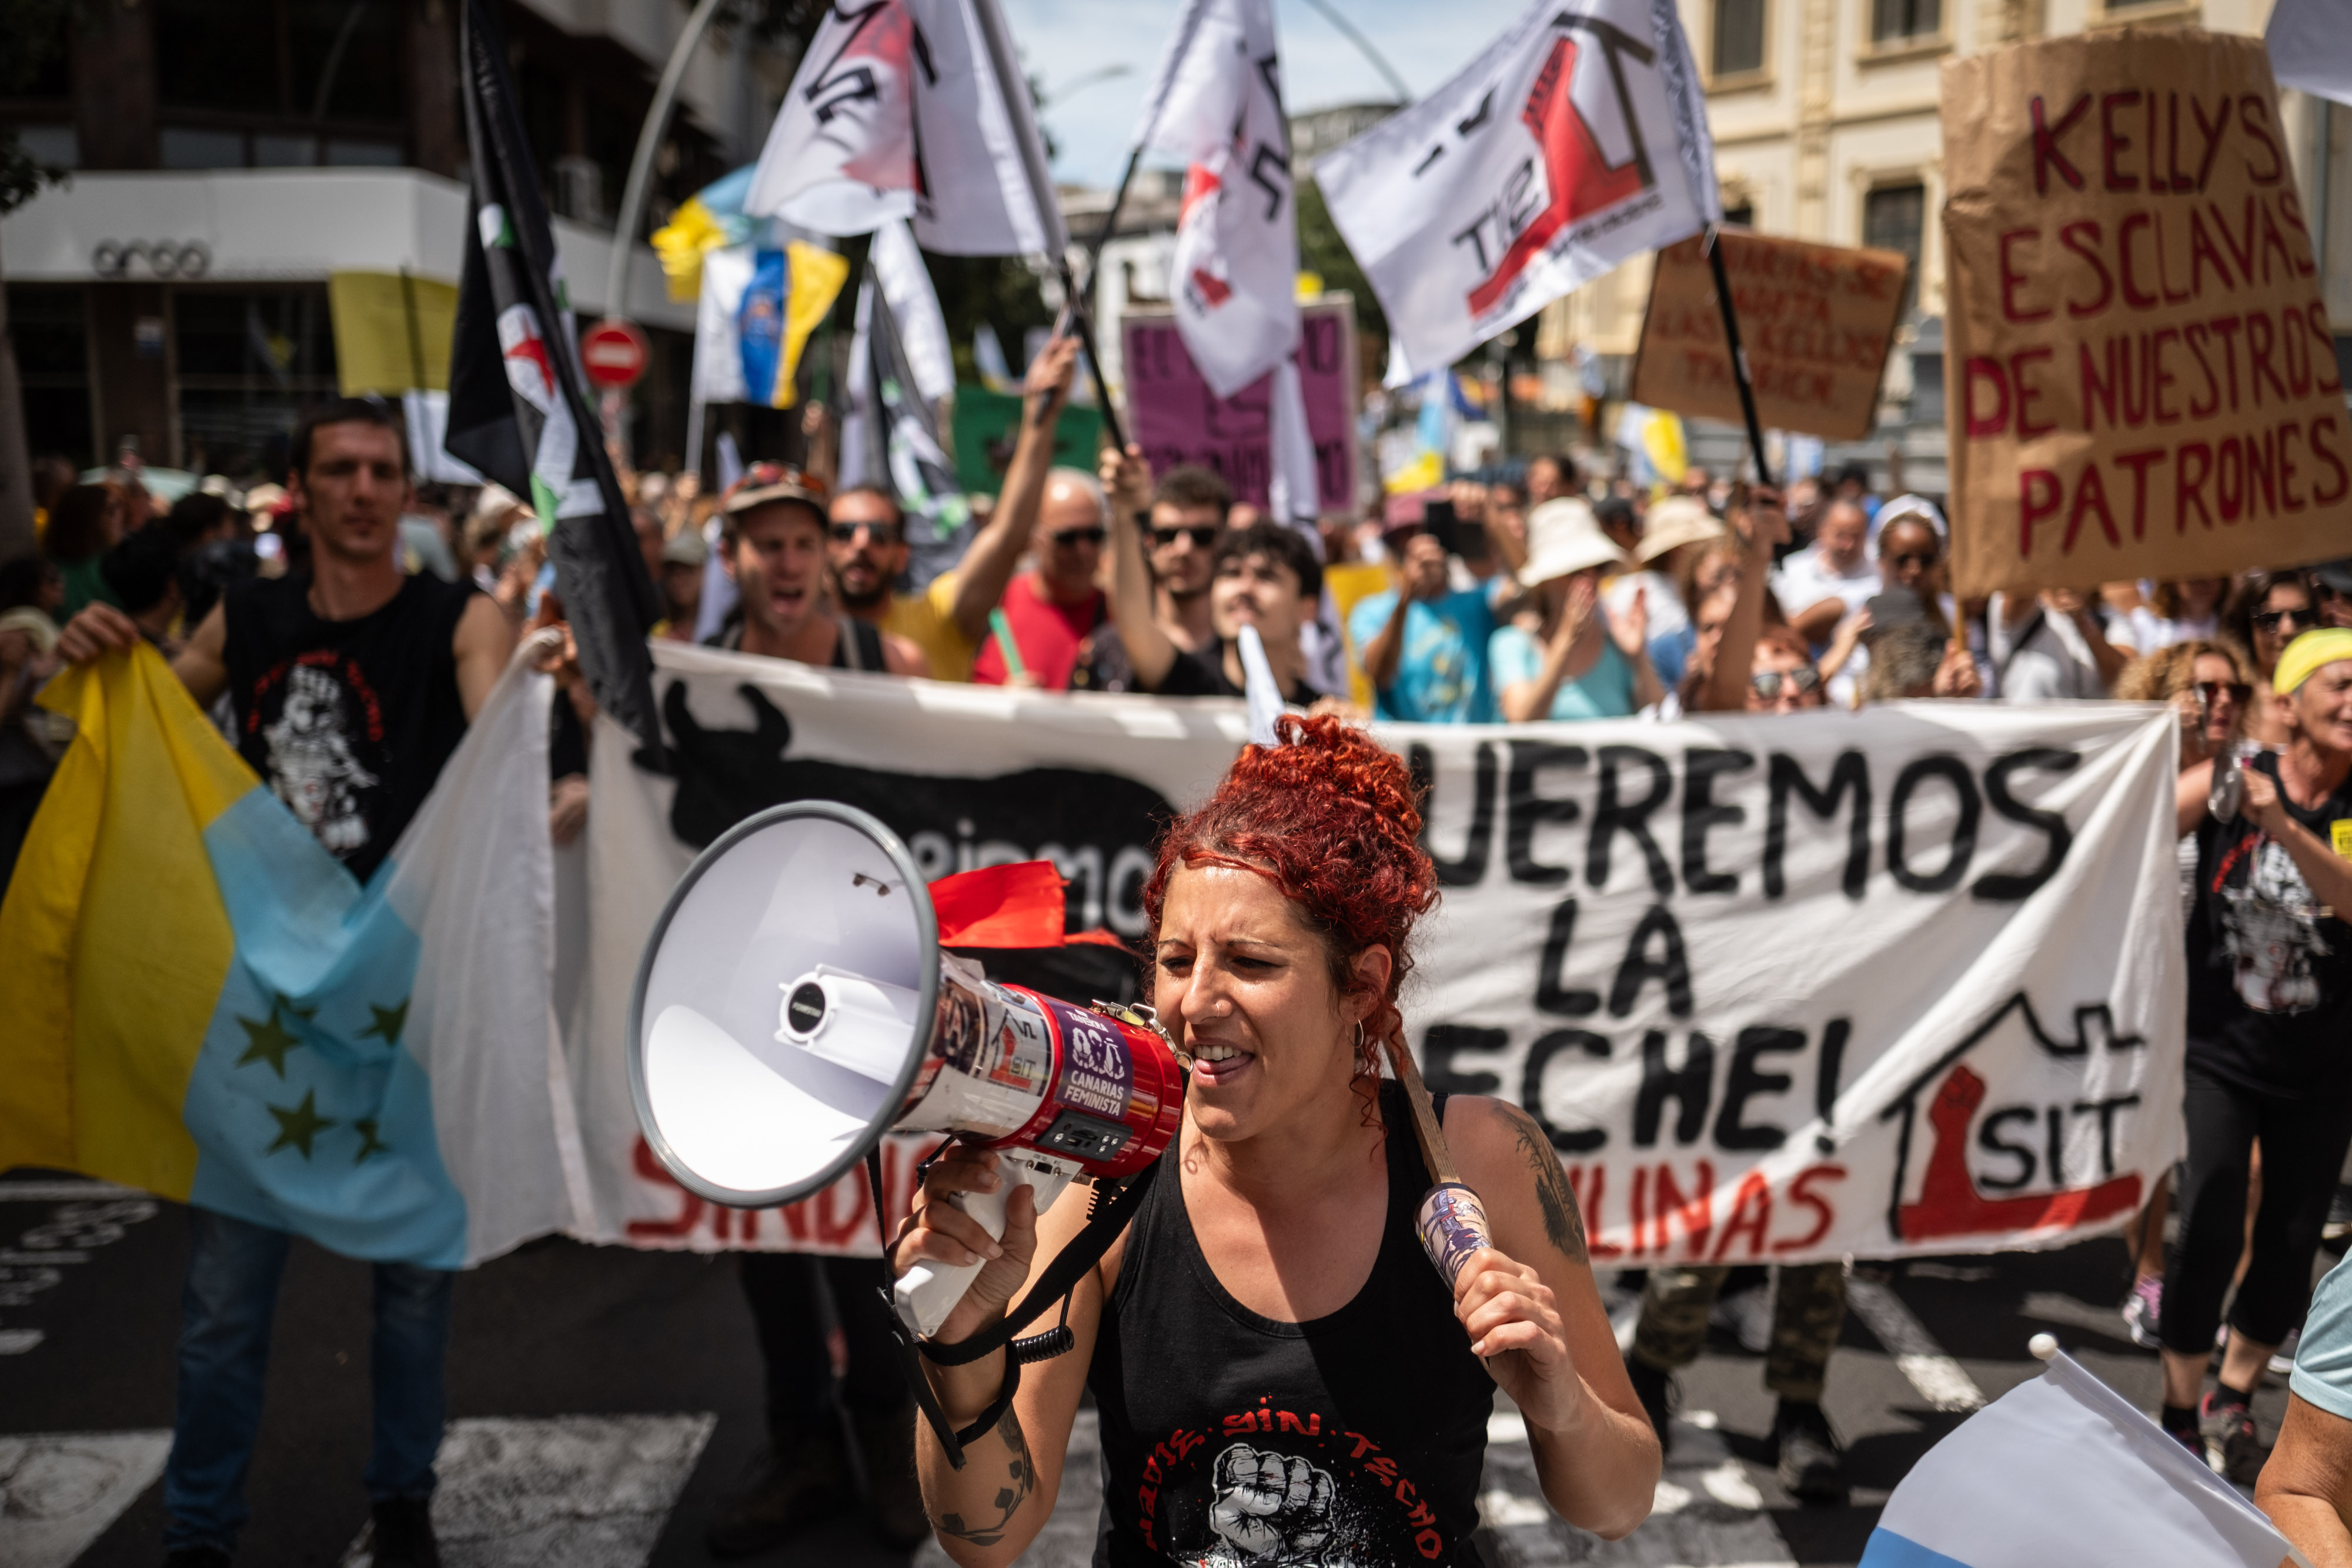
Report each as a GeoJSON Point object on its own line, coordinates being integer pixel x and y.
{"type": "Point", "coordinates": [348, 721]}
{"type": "Point", "coordinates": [1230, 1438]}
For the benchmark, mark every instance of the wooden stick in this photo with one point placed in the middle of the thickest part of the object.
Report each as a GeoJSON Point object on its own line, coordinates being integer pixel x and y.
{"type": "Point", "coordinates": [1433, 1152]}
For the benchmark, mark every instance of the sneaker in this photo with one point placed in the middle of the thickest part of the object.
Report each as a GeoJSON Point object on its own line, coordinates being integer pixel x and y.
{"type": "Point", "coordinates": [894, 1498]}
{"type": "Point", "coordinates": [2283, 1358]}
{"type": "Point", "coordinates": [1656, 1390]}
{"type": "Point", "coordinates": [2142, 1310]}
{"type": "Point", "coordinates": [1747, 1315]}
{"type": "Point", "coordinates": [400, 1534]}
{"type": "Point", "coordinates": [2232, 1447]}
{"type": "Point", "coordinates": [792, 1486]}
{"type": "Point", "coordinates": [195, 1557]}
{"type": "Point", "coordinates": [1812, 1461]}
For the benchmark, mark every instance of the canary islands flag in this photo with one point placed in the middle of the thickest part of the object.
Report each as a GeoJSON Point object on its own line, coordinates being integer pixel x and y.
{"type": "Point", "coordinates": [202, 1002]}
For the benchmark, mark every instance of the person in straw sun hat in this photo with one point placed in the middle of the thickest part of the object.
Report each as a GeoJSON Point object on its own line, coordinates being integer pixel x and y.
{"type": "Point", "coordinates": [1579, 663]}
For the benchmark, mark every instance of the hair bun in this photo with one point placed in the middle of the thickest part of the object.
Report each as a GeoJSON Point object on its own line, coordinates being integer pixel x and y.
{"type": "Point", "coordinates": [1323, 752]}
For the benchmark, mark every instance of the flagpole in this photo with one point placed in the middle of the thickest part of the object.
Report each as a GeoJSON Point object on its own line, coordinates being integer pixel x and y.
{"type": "Point", "coordinates": [1714, 249]}
{"type": "Point", "coordinates": [1006, 67]}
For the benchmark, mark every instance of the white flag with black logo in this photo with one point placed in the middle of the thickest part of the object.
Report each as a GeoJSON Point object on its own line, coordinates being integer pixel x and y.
{"type": "Point", "coordinates": [1216, 103]}
{"type": "Point", "coordinates": [1576, 140]}
{"type": "Point", "coordinates": [898, 112]}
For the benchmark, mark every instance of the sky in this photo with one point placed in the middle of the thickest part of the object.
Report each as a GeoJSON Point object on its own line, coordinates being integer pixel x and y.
{"type": "Point", "coordinates": [1062, 41]}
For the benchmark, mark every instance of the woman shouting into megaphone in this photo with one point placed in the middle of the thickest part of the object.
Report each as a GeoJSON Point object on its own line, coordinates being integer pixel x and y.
{"type": "Point", "coordinates": [1280, 1376]}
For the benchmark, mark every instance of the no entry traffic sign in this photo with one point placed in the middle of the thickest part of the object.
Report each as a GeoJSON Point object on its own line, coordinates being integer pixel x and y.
{"type": "Point", "coordinates": [614, 352]}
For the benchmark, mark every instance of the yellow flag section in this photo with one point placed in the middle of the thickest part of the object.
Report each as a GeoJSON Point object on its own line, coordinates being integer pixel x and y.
{"type": "Point", "coordinates": [113, 938]}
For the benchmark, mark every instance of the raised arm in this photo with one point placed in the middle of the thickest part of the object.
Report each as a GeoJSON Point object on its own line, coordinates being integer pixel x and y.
{"type": "Point", "coordinates": [1567, 653]}
{"type": "Point", "coordinates": [1126, 481]}
{"type": "Point", "coordinates": [988, 563]}
{"type": "Point", "coordinates": [988, 1512]}
{"type": "Point", "coordinates": [1384, 655]}
{"type": "Point", "coordinates": [1762, 524]}
{"type": "Point", "coordinates": [1533, 1312]}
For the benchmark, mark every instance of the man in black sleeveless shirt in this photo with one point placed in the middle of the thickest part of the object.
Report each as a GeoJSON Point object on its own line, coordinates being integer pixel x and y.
{"type": "Point", "coordinates": [773, 543]}
{"type": "Point", "coordinates": [351, 684]}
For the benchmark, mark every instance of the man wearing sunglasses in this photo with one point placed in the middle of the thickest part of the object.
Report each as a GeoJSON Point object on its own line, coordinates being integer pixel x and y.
{"type": "Point", "coordinates": [948, 619]}
{"type": "Point", "coordinates": [1189, 508]}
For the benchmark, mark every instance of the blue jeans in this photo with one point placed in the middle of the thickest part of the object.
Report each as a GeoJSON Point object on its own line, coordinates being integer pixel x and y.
{"type": "Point", "coordinates": [224, 1315]}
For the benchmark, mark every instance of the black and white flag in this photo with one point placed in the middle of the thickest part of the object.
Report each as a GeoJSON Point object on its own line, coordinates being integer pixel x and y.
{"type": "Point", "coordinates": [518, 407]}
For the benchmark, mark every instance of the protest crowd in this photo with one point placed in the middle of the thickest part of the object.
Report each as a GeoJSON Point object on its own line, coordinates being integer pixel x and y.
{"type": "Point", "coordinates": [1537, 596]}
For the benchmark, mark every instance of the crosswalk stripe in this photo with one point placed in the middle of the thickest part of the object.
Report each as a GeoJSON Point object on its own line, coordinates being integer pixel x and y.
{"type": "Point", "coordinates": [60, 1490]}
{"type": "Point", "coordinates": [593, 1491]}
{"type": "Point", "coordinates": [1707, 1513]}
{"type": "Point", "coordinates": [1939, 1379]}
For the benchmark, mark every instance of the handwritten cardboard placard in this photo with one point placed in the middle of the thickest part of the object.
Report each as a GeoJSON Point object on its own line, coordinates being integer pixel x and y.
{"type": "Point", "coordinates": [1176, 419]}
{"type": "Point", "coordinates": [2140, 380]}
{"type": "Point", "coordinates": [1816, 320]}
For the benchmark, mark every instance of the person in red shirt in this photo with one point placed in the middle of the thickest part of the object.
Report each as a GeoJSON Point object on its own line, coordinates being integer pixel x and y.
{"type": "Point", "coordinates": [1054, 629]}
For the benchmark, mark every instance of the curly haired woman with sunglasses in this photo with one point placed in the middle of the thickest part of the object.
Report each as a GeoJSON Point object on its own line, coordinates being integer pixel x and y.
{"type": "Point", "coordinates": [2269, 610]}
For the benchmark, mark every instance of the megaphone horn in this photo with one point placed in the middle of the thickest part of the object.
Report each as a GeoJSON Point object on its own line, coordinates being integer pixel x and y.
{"type": "Point", "coordinates": [793, 1004]}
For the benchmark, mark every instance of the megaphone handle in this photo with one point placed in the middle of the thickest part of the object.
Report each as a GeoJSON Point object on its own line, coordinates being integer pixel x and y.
{"type": "Point", "coordinates": [925, 1293]}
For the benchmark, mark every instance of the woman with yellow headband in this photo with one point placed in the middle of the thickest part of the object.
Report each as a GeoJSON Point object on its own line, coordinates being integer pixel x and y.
{"type": "Point", "coordinates": [2270, 1044]}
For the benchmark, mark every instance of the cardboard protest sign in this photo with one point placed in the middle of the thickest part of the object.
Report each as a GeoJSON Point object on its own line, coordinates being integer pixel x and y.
{"type": "Point", "coordinates": [2140, 377]}
{"type": "Point", "coordinates": [1816, 320]}
{"type": "Point", "coordinates": [1175, 418]}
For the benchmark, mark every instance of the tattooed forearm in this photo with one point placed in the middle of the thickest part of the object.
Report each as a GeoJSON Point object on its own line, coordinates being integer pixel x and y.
{"type": "Point", "coordinates": [1563, 1223]}
{"type": "Point", "coordinates": [1022, 1479]}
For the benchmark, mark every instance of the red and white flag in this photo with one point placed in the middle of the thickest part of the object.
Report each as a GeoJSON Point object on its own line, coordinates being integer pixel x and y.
{"type": "Point", "coordinates": [898, 112]}
{"type": "Point", "coordinates": [1576, 140]}
{"type": "Point", "coordinates": [1216, 103]}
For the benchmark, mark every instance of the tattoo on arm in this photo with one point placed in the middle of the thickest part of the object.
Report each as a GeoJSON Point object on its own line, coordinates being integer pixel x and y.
{"type": "Point", "coordinates": [1022, 1479]}
{"type": "Point", "coordinates": [1563, 1223]}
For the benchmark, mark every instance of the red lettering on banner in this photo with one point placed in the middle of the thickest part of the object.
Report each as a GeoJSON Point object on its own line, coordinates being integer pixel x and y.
{"type": "Point", "coordinates": [1694, 1214]}
{"type": "Point", "coordinates": [1949, 1203]}
{"type": "Point", "coordinates": [2039, 495]}
{"type": "Point", "coordinates": [2212, 130]}
{"type": "Point", "coordinates": [1589, 1185]}
{"type": "Point", "coordinates": [2326, 454]}
{"type": "Point", "coordinates": [2090, 495]}
{"type": "Point", "coordinates": [1991, 423]}
{"type": "Point", "coordinates": [2010, 277]}
{"type": "Point", "coordinates": [2137, 463]}
{"type": "Point", "coordinates": [1639, 1205]}
{"type": "Point", "coordinates": [2090, 254]}
{"type": "Point", "coordinates": [2163, 272]}
{"type": "Point", "coordinates": [2226, 328]}
{"type": "Point", "coordinates": [834, 1230]}
{"type": "Point", "coordinates": [2262, 469]}
{"type": "Point", "coordinates": [2240, 246]}
{"type": "Point", "coordinates": [1801, 1191]}
{"type": "Point", "coordinates": [2230, 479]}
{"type": "Point", "coordinates": [2297, 348]}
{"type": "Point", "coordinates": [2201, 251]}
{"type": "Point", "coordinates": [2046, 152]}
{"type": "Point", "coordinates": [1752, 1216]}
{"type": "Point", "coordinates": [689, 1212]}
{"type": "Point", "coordinates": [2160, 377]}
{"type": "Point", "coordinates": [2325, 377]}
{"type": "Point", "coordinates": [2112, 141]}
{"type": "Point", "coordinates": [2026, 394]}
{"type": "Point", "coordinates": [2134, 296]}
{"type": "Point", "coordinates": [2195, 336]}
{"type": "Point", "coordinates": [2260, 338]}
{"type": "Point", "coordinates": [2254, 115]}
{"type": "Point", "coordinates": [2180, 181]}
{"type": "Point", "coordinates": [2293, 502]}
{"type": "Point", "coordinates": [2188, 488]}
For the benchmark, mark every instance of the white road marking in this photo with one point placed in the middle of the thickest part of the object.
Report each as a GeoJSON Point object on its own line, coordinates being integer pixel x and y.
{"type": "Point", "coordinates": [1939, 1379]}
{"type": "Point", "coordinates": [60, 1490]}
{"type": "Point", "coordinates": [1067, 1539]}
{"type": "Point", "coordinates": [68, 1191]}
{"type": "Point", "coordinates": [1707, 1513]}
{"type": "Point", "coordinates": [584, 1491]}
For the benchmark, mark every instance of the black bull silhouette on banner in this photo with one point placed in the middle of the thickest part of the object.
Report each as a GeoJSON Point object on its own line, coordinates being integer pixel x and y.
{"type": "Point", "coordinates": [1098, 828]}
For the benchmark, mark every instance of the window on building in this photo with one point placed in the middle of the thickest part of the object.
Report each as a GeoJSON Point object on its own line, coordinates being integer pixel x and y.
{"type": "Point", "coordinates": [1741, 217]}
{"type": "Point", "coordinates": [1893, 218]}
{"type": "Point", "coordinates": [247, 364]}
{"type": "Point", "coordinates": [52, 343]}
{"type": "Point", "coordinates": [1897, 21]}
{"type": "Point", "coordinates": [261, 96]}
{"type": "Point", "coordinates": [1739, 37]}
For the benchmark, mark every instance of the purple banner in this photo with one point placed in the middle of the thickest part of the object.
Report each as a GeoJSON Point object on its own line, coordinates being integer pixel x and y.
{"type": "Point", "coordinates": [1175, 418]}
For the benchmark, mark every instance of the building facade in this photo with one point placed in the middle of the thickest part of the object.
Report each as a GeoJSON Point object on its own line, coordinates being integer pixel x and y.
{"type": "Point", "coordinates": [227, 159]}
{"type": "Point", "coordinates": [1825, 115]}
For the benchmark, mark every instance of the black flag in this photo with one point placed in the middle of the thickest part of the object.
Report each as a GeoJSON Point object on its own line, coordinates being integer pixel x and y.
{"type": "Point", "coordinates": [518, 407]}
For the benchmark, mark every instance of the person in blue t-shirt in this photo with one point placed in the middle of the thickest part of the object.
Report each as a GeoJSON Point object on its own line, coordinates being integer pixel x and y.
{"type": "Point", "coordinates": [1424, 645]}
{"type": "Point", "coordinates": [1580, 664]}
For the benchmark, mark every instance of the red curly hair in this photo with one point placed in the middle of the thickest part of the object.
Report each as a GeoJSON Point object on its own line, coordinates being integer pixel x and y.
{"type": "Point", "coordinates": [1333, 820]}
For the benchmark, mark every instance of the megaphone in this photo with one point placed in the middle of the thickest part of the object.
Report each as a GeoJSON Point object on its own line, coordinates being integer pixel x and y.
{"type": "Point", "coordinates": [793, 1004]}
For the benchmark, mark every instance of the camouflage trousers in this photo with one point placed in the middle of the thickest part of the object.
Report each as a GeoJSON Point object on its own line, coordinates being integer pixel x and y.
{"type": "Point", "coordinates": [1808, 1312]}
